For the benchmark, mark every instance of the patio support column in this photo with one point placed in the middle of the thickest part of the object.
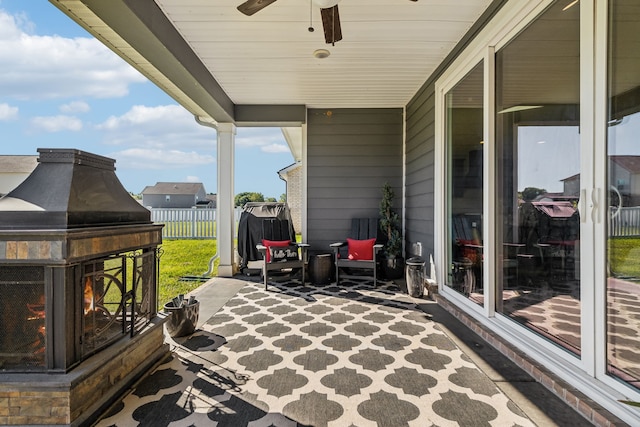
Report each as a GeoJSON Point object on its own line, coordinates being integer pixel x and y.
{"type": "Point", "coordinates": [225, 199]}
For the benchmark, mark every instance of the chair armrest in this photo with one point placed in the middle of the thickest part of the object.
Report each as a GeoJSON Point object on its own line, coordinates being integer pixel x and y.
{"type": "Point", "coordinates": [263, 251]}
{"type": "Point", "coordinates": [336, 247]}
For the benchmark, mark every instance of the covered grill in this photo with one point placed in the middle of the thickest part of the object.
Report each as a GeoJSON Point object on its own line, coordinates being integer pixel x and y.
{"type": "Point", "coordinates": [262, 220]}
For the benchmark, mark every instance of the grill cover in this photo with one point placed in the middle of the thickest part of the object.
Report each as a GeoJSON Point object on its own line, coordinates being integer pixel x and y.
{"type": "Point", "coordinates": [258, 220]}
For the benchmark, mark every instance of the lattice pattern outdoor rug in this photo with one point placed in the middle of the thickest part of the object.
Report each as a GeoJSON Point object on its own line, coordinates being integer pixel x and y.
{"type": "Point", "coordinates": [317, 356]}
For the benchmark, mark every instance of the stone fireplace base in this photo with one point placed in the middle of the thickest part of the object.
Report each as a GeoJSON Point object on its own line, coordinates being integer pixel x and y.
{"type": "Point", "coordinates": [81, 395]}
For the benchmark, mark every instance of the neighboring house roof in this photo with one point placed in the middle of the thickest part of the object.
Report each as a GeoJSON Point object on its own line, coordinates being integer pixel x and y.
{"type": "Point", "coordinates": [572, 177]}
{"type": "Point", "coordinates": [174, 188]}
{"type": "Point", "coordinates": [285, 171]}
{"type": "Point", "coordinates": [630, 163]}
{"type": "Point", "coordinates": [555, 209]}
{"type": "Point", "coordinates": [18, 164]}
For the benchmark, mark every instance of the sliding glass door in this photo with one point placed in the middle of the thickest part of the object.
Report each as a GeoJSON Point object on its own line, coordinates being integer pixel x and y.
{"type": "Point", "coordinates": [541, 221]}
{"type": "Point", "coordinates": [623, 175]}
{"type": "Point", "coordinates": [538, 177]}
{"type": "Point", "coordinates": [464, 153]}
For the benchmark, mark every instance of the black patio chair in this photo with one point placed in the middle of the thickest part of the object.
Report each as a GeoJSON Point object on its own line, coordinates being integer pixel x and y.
{"type": "Point", "coordinates": [359, 251]}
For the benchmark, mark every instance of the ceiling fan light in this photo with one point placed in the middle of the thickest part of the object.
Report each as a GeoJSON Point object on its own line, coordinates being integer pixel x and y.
{"type": "Point", "coordinates": [321, 53]}
{"type": "Point", "coordinates": [325, 4]}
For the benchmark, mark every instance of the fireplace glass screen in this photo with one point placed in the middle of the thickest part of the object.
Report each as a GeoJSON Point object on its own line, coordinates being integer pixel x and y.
{"type": "Point", "coordinates": [22, 317]}
{"type": "Point", "coordinates": [117, 297]}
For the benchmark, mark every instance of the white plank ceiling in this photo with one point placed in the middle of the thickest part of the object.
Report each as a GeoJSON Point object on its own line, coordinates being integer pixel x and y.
{"type": "Point", "coordinates": [389, 48]}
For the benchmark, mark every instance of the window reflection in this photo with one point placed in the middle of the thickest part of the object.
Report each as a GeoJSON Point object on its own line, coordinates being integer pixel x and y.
{"type": "Point", "coordinates": [623, 148]}
{"type": "Point", "coordinates": [465, 192]}
{"type": "Point", "coordinates": [538, 177]}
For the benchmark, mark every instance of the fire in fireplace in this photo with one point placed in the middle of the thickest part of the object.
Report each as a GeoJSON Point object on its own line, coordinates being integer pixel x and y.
{"type": "Point", "coordinates": [79, 263]}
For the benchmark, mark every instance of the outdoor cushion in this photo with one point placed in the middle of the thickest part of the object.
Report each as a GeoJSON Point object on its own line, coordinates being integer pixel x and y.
{"type": "Point", "coordinates": [470, 252]}
{"type": "Point", "coordinates": [284, 253]}
{"type": "Point", "coordinates": [360, 249]}
{"type": "Point", "coordinates": [273, 243]}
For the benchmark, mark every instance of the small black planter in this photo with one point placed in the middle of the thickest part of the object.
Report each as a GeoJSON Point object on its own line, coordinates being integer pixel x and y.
{"type": "Point", "coordinates": [392, 268]}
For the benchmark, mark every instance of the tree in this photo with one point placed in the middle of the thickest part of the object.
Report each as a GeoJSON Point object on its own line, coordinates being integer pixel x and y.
{"type": "Point", "coordinates": [242, 198]}
{"type": "Point", "coordinates": [270, 199]}
{"type": "Point", "coordinates": [530, 193]}
{"type": "Point", "coordinates": [390, 223]}
{"type": "Point", "coordinates": [283, 198]}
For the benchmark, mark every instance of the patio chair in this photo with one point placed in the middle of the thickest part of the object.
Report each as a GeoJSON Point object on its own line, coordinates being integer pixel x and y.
{"type": "Point", "coordinates": [362, 247]}
{"type": "Point", "coordinates": [267, 241]}
{"type": "Point", "coordinates": [281, 254]}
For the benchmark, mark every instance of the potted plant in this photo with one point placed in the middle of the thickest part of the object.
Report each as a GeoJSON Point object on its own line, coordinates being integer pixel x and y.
{"type": "Point", "coordinates": [393, 263]}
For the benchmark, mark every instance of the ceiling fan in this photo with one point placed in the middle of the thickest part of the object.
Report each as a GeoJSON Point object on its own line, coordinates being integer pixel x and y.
{"type": "Point", "coordinates": [330, 17]}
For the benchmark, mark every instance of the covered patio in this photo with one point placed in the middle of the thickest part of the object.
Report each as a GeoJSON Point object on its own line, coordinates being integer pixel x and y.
{"type": "Point", "coordinates": [325, 355]}
{"type": "Point", "coordinates": [462, 107]}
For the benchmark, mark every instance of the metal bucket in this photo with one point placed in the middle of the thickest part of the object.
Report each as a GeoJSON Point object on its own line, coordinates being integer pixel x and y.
{"type": "Point", "coordinates": [415, 277]}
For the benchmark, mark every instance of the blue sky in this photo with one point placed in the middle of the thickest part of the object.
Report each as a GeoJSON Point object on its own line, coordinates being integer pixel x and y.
{"type": "Point", "coordinates": [61, 88]}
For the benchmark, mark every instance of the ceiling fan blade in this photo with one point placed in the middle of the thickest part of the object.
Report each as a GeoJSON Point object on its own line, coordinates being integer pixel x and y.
{"type": "Point", "coordinates": [252, 6]}
{"type": "Point", "coordinates": [331, 24]}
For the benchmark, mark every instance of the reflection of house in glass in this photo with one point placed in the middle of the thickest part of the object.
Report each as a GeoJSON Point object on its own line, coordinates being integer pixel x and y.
{"type": "Point", "coordinates": [624, 177]}
{"type": "Point", "coordinates": [572, 185]}
{"type": "Point", "coordinates": [624, 174]}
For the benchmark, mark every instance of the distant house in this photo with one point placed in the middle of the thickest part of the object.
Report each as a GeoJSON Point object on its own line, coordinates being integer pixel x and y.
{"type": "Point", "coordinates": [572, 185]}
{"type": "Point", "coordinates": [625, 176]}
{"type": "Point", "coordinates": [174, 195]}
{"type": "Point", "coordinates": [292, 175]}
{"type": "Point", "coordinates": [624, 173]}
{"type": "Point", "coordinates": [14, 170]}
{"type": "Point", "coordinates": [210, 202]}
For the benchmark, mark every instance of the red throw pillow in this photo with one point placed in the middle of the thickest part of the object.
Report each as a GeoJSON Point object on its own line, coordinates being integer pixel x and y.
{"type": "Point", "coordinates": [275, 243]}
{"type": "Point", "coordinates": [361, 249]}
{"type": "Point", "coordinates": [469, 252]}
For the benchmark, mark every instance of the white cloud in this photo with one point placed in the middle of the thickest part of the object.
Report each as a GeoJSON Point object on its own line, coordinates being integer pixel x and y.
{"type": "Point", "coordinates": [268, 140]}
{"type": "Point", "coordinates": [162, 127]}
{"type": "Point", "coordinates": [75, 107]}
{"type": "Point", "coordinates": [142, 158]}
{"type": "Point", "coordinates": [57, 123]}
{"type": "Point", "coordinates": [45, 67]}
{"type": "Point", "coordinates": [8, 112]}
{"type": "Point", "coordinates": [191, 178]}
{"type": "Point", "coordinates": [275, 148]}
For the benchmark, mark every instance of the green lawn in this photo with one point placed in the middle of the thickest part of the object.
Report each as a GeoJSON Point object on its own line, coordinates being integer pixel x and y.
{"type": "Point", "coordinates": [183, 258]}
{"type": "Point", "coordinates": [624, 256]}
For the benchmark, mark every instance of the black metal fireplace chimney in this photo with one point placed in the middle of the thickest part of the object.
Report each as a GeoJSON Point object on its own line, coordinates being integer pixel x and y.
{"type": "Point", "coordinates": [78, 290]}
{"type": "Point", "coordinates": [70, 189]}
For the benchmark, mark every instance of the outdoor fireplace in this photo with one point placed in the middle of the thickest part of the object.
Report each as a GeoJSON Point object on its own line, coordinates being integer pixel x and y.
{"type": "Point", "coordinates": [78, 303]}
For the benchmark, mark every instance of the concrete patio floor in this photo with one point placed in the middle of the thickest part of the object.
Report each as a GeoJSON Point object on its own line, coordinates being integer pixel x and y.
{"type": "Point", "coordinates": [352, 355]}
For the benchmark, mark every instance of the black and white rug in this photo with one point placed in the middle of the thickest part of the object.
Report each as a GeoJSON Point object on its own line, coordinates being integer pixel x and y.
{"type": "Point", "coordinates": [297, 355]}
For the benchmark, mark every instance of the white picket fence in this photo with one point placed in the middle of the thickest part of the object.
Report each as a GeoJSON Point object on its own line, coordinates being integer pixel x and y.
{"type": "Point", "coordinates": [185, 223]}
{"type": "Point", "coordinates": [625, 223]}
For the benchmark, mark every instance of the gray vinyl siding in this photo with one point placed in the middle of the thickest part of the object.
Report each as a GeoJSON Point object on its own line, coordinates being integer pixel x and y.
{"type": "Point", "coordinates": [419, 186]}
{"type": "Point", "coordinates": [420, 148]}
{"type": "Point", "coordinates": [351, 153]}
